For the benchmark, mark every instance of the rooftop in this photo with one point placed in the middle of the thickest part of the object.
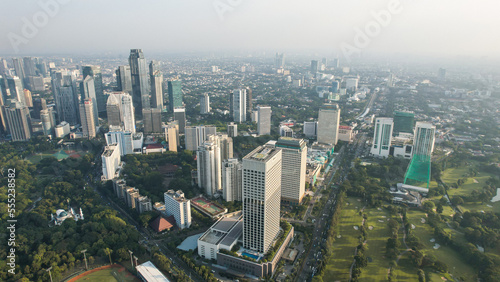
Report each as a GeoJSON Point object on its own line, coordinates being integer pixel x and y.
{"type": "Point", "coordinates": [262, 153]}
{"type": "Point", "coordinates": [150, 273]}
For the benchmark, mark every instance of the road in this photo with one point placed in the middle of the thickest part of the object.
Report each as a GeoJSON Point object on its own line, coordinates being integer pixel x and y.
{"type": "Point", "coordinates": [314, 254]}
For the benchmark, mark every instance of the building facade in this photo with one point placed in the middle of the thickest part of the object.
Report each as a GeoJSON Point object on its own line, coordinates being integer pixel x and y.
{"type": "Point", "coordinates": [293, 169]}
{"type": "Point", "coordinates": [328, 124]}
{"type": "Point", "coordinates": [178, 206]}
{"type": "Point", "coordinates": [382, 137]}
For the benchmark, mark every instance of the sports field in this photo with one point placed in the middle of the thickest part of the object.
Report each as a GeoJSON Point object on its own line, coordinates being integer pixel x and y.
{"type": "Point", "coordinates": [207, 206]}
{"type": "Point", "coordinates": [58, 154]}
{"type": "Point", "coordinates": [109, 274]}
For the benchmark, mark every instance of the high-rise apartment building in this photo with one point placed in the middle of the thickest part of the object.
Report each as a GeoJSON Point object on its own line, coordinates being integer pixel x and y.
{"type": "Point", "coordinates": [87, 116]}
{"type": "Point", "coordinates": [382, 137]}
{"type": "Point", "coordinates": [239, 105]}
{"type": "Point", "coordinates": [209, 167]}
{"type": "Point", "coordinates": [264, 120]}
{"type": "Point", "coordinates": [205, 104]}
{"type": "Point", "coordinates": [174, 94]}
{"type": "Point", "coordinates": [66, 97]}
{"type": "Point", "coordinates": [120, 111]}
{"type": "Point", "coordinates": [95, 73]}
{"type": "Point", "coordinates": [123, 138]}
{"type": "Point", "coordinates": [16, 89]}
{"type": "Point", "coordinates": [178, 206]}
{"type": "Point", "coordinates": [110, 161]}
{"type": "Point", "coordinates": [232, 180]}
{"type": "Point", "coordinates": [261, 198]}
{"type": "Point", "coordinates": [140, 84]}
{"type": "Point", "coordinates": [328, 124]}
{"type": "Point", "coordinates": [156, 78]}
{"type": "Point", "coordinates": [293, 169]}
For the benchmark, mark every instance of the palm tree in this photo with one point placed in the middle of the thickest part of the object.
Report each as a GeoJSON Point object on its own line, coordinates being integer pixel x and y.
{"type": "Point", "coordinates": [108, 252]}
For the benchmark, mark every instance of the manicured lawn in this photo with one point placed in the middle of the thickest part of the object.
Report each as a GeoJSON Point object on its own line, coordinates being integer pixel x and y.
{"type": "Point", "coordinates": [456, 265]}
{"type": "Point", "coordinates": [337, 268]}
{"type": "Point", "coordinates": [451, 175]}
{"type": "Point", "coordinates": [376, 270]}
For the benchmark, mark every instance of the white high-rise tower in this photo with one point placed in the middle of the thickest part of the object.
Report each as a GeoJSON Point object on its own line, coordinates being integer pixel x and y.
{"type": "Point", "coordinates": [293, 172]}
{"type": "Point", "coordinates": [261, 198]}
{"type": "Point", "coordinates": [382, 137]}
{"type": "Point", "coordinates": [328, 124]}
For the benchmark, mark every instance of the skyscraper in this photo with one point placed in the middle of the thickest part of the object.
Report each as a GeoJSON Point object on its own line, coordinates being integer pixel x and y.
{"type": "Point", "coordinates": [261, 198]}
{"type": "Point", "coordinates": [328, 124]}
{"type": "Point", "coordinates": [208, 165]}
{"type": "Point", "coordinates": [124, 79]}
{"type": "Point", "coordinates": [403, 122]}
{"type": "Point", "coordinates": [197, 135]}
{"type": "Point", "coordinates": [47, 117]}
{"type": "Point", "coordinates": [232, 129]}
{"type": "Point", "coordinates": [172, 135]}
{"type": "Point", "coordinates": [279, 60]}
{"type": "Point", "coordinates": [249, 102]}
{"type": "Point", "coordinates": [180, 117]}
{"type": "Point", "coordinates": [127, 110]}
{"type": "Point", "coordinates": [18, 120]}
{"type": "Point", "coordinates": [225, 144]}
{"type": "Point", "coordinates": [38, 105]}
{"type": "Point", "coordinates": [28, 99]}
{"type": "Point", "coordinates": [423, 142]}
{"type": "Point", "coordinates": [120, 111]}
{"type": "Point", "coordinates": [152, 120]}
{"type": "Point", "coordinates": [29, 66]}
{"type": "Point", "coordinates": [442, 74]}
{"type": "Point", "coordinates": [314, 66]}
{"type": "Point", "coordinates": [113, 110]}
{"type": "Point", "coordinates": [382, 137]}
{"type": "Point", "coordinates": [231, 180]}
{"type": "Point", "coordinates": [239, 105]}
{"type": "Point", "coordinates": [174, 94]}
{"type": "Point", "coordinates": [293, 169]}
{"type": "Point", "coordinates": [87, 91]}
{"type": "Point", "coordinates": [264, 120]}
{"type": "Point", "coordinates": [95, 73]}
{"type": "Point", "coordinates": [16, 89]}
{"type": "Point", "coordinates": [66, 98]}
{"type": "Point", "coordinates": [140, 85]}
{"type": "Point", "coordinates": [19, 68]}
{"type": "Point", "coordinates": [87, 116]}
{"type": "Point", "coordinates": [156, 85]}
{"type": "Point", "coordinates": [205, 104]}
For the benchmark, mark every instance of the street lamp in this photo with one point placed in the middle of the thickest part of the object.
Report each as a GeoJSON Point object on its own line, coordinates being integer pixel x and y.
{"type": "Point", "coordinates": [50, 275]}
{"type": "Point", "coordinates": [85, 258]}
{"type": "Point", "coordinates": [131, 261]}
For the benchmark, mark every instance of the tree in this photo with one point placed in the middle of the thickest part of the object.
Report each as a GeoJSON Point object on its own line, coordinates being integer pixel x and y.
{"type": "Point", "coordinates": [108, 252]}
{"type": "Point", "coordinates": [439, 208]}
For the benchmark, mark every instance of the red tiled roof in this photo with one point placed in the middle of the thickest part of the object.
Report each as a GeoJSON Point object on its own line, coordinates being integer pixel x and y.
{"type": "Point", "coordinates": [161, 224]}
{"type": "Point", "coordinates": [344, 127]}
{"type": "Point", "coordinates": [154, 146]}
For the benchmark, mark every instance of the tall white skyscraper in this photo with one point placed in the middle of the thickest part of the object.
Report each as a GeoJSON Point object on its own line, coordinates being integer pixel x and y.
{"type": "Point", "coordinates": [205, 104]}
{"type": "Point", "coordinates": [87, 91]}
{"type": "Point", "coordinates": [293, 169]}
{"type": "Point", "coordinates": [178, 206]}
{"type": "Point", "coordinates": [120, 111]}
{"type": "Point", "coordinates": [232, 180]}
{"type": "Point", "coordinates": [328, 124]}
{"type": "Point", "coordinates": [382, 137]}
{"type": "Point", "coordinates": [261, 198]}
{"type": "Point", "coordinates": [156, 79]}
{"type": "Point", "coordinates": [239, 105]}
{"type": "Point", "coordinates": [172, 136]}
{"type": "Point", "coordinates": [87, 116]}
{"type": "Point", "coordinates": [264, 120]}
{"type": "Point", "coordinates": [197, 135]}
{"type": "Point", "coordinates": [423, 142]}
{"type": "Point", "coordinates": [208, 165]}
{"type": "Point", "coordinates": [110, 161]}
{"type": "Point", "coordinates": [124, 139]}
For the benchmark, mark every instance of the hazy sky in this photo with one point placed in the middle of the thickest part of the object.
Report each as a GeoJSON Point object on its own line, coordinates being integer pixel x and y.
{"type": "Point", "coordinates": [431, 27]}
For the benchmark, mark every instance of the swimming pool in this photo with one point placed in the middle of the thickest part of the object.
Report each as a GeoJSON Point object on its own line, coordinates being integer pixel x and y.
{"type": "Point", "coordinates": [250, 255]}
